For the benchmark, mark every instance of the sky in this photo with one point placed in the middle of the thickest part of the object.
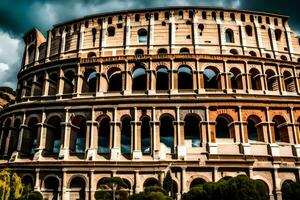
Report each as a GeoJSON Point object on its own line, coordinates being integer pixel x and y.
{"type": "Point", "coordinates": [19, 16]}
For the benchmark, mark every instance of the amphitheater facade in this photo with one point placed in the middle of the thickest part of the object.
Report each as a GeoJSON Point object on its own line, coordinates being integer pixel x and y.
{"type": "Point", "coordinates": [207, 93]}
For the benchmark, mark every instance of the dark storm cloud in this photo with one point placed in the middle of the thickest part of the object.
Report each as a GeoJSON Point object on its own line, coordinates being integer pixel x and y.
{"type": "Point", "coordinates": [19, 16]}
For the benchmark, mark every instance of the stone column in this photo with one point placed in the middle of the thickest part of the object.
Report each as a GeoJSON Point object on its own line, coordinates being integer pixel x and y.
{"type": "Point", "coordinates": [152, 79]}
{"type": "Point", "coordinates": [179, 130]}
{"type": "Point", "coordinates": [36, 53]}
{"type": "Point", "coordinates": [243, 126]}
{"type": "Point", "coordinates": [46, 85]}
{"type": "Point", "coordinates": [61, 83]}
{"type": "Point", "coordinates": [277, 188]}
{"type": "Point", "coordinates": [151, 34]}
{"type": "Point", "coordinates": [198, 77]}
{"type": "Point", "coordinates": [155, 140]}
{"type": "Point", "coordinates": [137, 153]}
{"type": "Point", "coordinates": [93, 186]}
{"type": "Point", "coordinates": [296, 82]}
{"type": "Point", "coordinates": [41, 138]}
{"type": "Point", "coordinates": [103, 36]}
{"type": "Point", "coordinates": [243, 38]}
{"type": "Point", "coordinates": [173, 32]}
{"type": "Point", "coordinates": [195, 32]}
{"type": "Point", "coordinates": [37, 180]}
{"type": "Point", "coordinates": [81, 38]}
{"type": "Point", "coordinates": [127, 80]}
{"type": "Point", "coordinates": [48, 48]}
{"type": "Point", "coordinates": [62, 43]}
{"type": "Point", "coordinates": [64, 182]}
{"type": "Point", "coordinates": [212, 145]}
{"type": "Point", "coordinates": [273, 41]}
{"type": "Point", "coordinates": [221, 35]}
{"type": "Point", "coordinates": [92, 137]}
{"type": "Point", "coordinates": [138, 187]}
{"type": "Point", "coordinates": [289, 41]}
{"type": "Point", "coordinates": [16, 153]}
{"type": "Point", "coordinates": [183, 180]}
{"type": "Point", "coordinates": [79, 82]}
{"type": "Point", "coordinates": [273, 146]}
{"type": "Point", "coordinates": [127, 35]}
{"type": "Point", "coordinates": [280, 82]}
{"type": "Point", "coordinates": [259, 40]}
{"type": "Point", "coordinates": [173, 79]}
{"type": "Point", "coordinates": [115, 150]}
{"type": "Point", "coordinates": [66, 134]}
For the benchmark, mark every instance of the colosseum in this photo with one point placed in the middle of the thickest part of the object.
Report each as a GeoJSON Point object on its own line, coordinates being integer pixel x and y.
{"type": "Point", "coordinates": [206, 93]}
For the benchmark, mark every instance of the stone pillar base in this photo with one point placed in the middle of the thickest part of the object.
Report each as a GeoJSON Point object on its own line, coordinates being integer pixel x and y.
{"type": "Point", "coordinates": [136, 155]}
{"type": "Point", "coordinates": [274, 149]}
{"type": "Point", "coordinates": [246, 147]}
{"type": "Point", "coordinates": [174, 91]}
{"type": "Point", "coordinates": [115, 154]}
{"type": "Point", "coordinates": [162, 154]}
{"type": "Point", "coordinates": [99, 94]}
{"type": "Point", "coordinates": [91, 154]}
{"type": "Point", "coordinates": [64, 154]}
{"type": "Point", "coordinates": [126, 92]}
{"type": "Point", "coordinates": [38, 154]}
{"type": "Point", "coordinates": [156, 155]}
{"type": "Point", "coordinates": [181, 152]}
{"type": "Point", "coordinates": [213, 148]}
{"type": "Point", "coordinates": [297, 150]}
{"type": "Point", "coordinates": [14, 156]}
{"type": "Point", "coordinates": [151, 92]}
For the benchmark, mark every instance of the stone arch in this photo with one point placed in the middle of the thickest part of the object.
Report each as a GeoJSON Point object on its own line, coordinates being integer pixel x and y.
{"type": "Point", "coordinates": [162, 78]}
{"type": "Point", "coordinates": [151, 182]}
{"type": "Point", "coordinates": [69, 81]}
{"type": "Point", "coordinates": [91, 54]}
{"type": "Point", "coordinates": [53, 135]}
{"type": "Point", "coordinates": [184, 50]}
{"type": "Point", "coordinates": [192, 130]}
{"type": "Point", "coordinates": [104, 134]}
{"type": "Point", "coordinates": [77, 186]}
{"type": "Point", "coordinates": [289, 82]}
{"type": "Point", "coordinates": [279, 127]}
{"type": "Point", "coordinates": [254, 128]}
{"type": "Point", "coordinates": [28, 180]}
{"type": "Point", "coordinates": [114, 76]}
{"type": "Point", "coordinates": [53, 83]}
{"type": "Point", "coordinates": [272, 80]}
{"type": "Point", "coordinates": [167, 133]}
{"type": "Point", "coordinates": [162, 51]}
{"type": "Point", "coordinates": [126, 135]}
{"type": "Point", "coordinates": [224, 126]}
{"type": "Point", "coordinates": [139, 78]}
{"type": "Point", "coordinates": [51, 187]}
{"type": "Point", "coordinates": [13, 140]}
{"type": "Point", "coordinates": [253, 53]}
{"type": "Point", "coordinates": [30, 134]}
{"type": "Point", "coordinates": [51, 177]}
{"type": "Point", "coordinates": [89, 81]}
{"type": "Point", "coordinates": [255, 79]}
{"type": "Point", "coordinates": [185, 77]}
{"type": "Point", "coordinates": [139, 52]}
{"type": "Point", "coordinates": [199, 177]}
{"type": "Point", "coordinates": [145, 135]}
{"type": "Point", "coordinates": [236, 78]}
{"type": "Point", "coordinates": [142, 35]}
{"type": "Point", "coordinates": [78, 134]}
{"type": "Point", "coordinates": [5, 133]}
{"type": "Point", "coordinates": [212, 78]}
{"type": "Point", "coordinates": [196, 182]}
{"type": "Point", "coordinates": [38, 84]}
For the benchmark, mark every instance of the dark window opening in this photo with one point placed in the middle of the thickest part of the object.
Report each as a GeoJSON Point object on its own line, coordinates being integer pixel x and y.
{"type": "Point", "coordinates": [185, 78]}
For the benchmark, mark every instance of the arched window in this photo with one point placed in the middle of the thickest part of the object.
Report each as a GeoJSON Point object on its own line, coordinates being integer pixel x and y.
{"type": "Point", "coordinates": [78, 133]}
{"type": "Point", "coordinates": [211, 78]}
{"type": "Point", "coordinates": [137, 17]}
{"type": "Point", "coordinates": [197, 182]}
{"type": "Point", "coordinates": [255, 79]}
{"type": "Point", "coordinates": [27, 181]}
{"type": "Point", "coordinates": [13, 141]}
{"type": "Point", "coordinates": [151, 182]}
{"type": "Point", "coordinates": [28, 88]}
{"type": "Point", "coordinates": [278, 34]}
{"type": "Point", "coordinates": [120, 19]}
{"type": "Point", "coordinates": [53, 81]}
{"type": "Point", "coordinates": [289, 81]}
{"type": "Point", "coordinates": [90, 81]}
{"type": "Point", "coordinates": [29, 141]}
{"type": "Point", "coordinates": [234, 52]}
{"type": "Point", "coordinates": [180, 15]}
{"type": "Point", "coordinates": [267, 20]}
{"type": "Point", "coordinates": [5, 133]}
{"type": "Point", "coordinates": [139, 78]}
{"type": "Point", "coordinates": [191, 14]}
{"type": "Point", "coordinates": [203, 15]}
{"type": "Point", "coordinates": [251, 18]}
{"type": "Point", "coordinates": [224, 127]}
{"type": "Point", "coordinates": [77, 188]}
{"type": "Point", "coordinates": [167, 15]}
{"type": "Point", "coordinates": [214, 16]}
{"type": "Point", "coordinates": [192, 131]}
{"type": "Point", "coordinates": [254, 128]}
{"type": "Point", "coordinates": [276, 22]}
{"type": "Point", "coordinates": [51, 183]}
{"type": "Point", "coordinates": [229, 36]}
{"type": "Point", "coordinates": [268, 55]}
{"type": "Point", "coordinates": [249, 30]}
{"type": "Point", "coordinates": [91, 55]}
{"type": "Point", "coordinates": [232, 16]}
{"type": "Point", "coordinates": [126, 135]}
{"type": "Point", "coordinates": [222, 15]}
{"type": "Point", "coordinates": [184, 51]}
{"type": "Point", "coordinates": [109, 20]}
{"type": "Point", "coordinates": [162, 51]}
{"type": "Point", "coordinates": [104, 136]}
{"type": "Point", "coordinates": [162, 78]}
{"type": "Point", "coordinates": [143, 35]}
{"type": "Point", "coordinates": [69, 82]}
{"type": "Point", "coordinates": [272, 80]}
{"type": "Point", "coordinates": [38, 90]}
{"type": "Point", "coordinates": [283, 57]}
{"type": "Point", "coordinates": [146, 135]}
{"type": "Point", "coordinates": [236, 78]}
{"type": "Point", "coordinates": [139, 52]}
{"type": "Point", "coordinates": [114, 80]}
{"type": "Point", "coordinates": [166, 131]}
{"type": "Point", "coordinates": [242, 17]}
{"type": "Point", "coordinates": [185, 78]}
{"type": "Point", "coordinates": [253, 53]}
{"type": "Point", "coordinates": [111, 31]}
{"type": "Point", "coordinates": [259, 19]}
{"type": "Point", "coordinates": [156, 16]}
{"type": "Point", "coordinates": [53, 135]}
{"type": "Point", "coordinates": [280, 129]}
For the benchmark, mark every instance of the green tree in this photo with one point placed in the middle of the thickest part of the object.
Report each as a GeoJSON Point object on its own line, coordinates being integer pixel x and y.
{"type": "Point", "coordinates": [10, 185]}
{"type": "Point", "coordinates": [291, 191]}
{"type": "Point", "coordinates": [111, 188]}
{"type": "Point", "coordinates": [168, 183]}
{"type": "Point", "coordinates": [151, 193]}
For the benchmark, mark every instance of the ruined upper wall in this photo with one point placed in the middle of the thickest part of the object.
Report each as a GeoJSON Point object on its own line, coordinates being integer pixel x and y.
{"type": "Point", "coordinates": [169, 30]}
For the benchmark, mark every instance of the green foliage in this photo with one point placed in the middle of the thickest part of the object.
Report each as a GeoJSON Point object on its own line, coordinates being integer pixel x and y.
{"type": "Point", "coordinates": [10, 185]}
{"type": "Point", "coordinates": [168, 182]}
{"type": "Point", "coordinates": [151, 193]}
{"type": "Point", "coordinates": [237, 188]}
{"type": "Point", "coordinates": [291, 191]}
{"type": "Point", "coordinates": [35, 196]}
{"type": "Point", "coordinates": [111, 188]}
